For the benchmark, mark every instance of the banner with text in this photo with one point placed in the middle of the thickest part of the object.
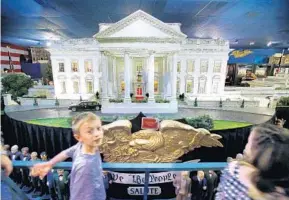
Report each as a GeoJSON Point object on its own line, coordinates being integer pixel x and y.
{"type": "Point", "coordinates": [138, 179]}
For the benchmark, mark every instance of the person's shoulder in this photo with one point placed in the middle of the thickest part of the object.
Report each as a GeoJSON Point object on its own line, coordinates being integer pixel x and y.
{"type": "Point", "coordinates": [232, 167]}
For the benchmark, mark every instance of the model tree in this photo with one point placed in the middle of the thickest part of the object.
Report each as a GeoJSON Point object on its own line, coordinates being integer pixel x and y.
{"type": "Point", "coordinates": [48, 76]}
{"type": "Point", "coordinates": [221, 103]}
{"type": "Point", "coordinates": [16, 84]}
{"type": "Point", "coordinates": [243, 104]}
{"type": "Point", "coordinates": [56, 102]}
{"type": "Point", "coordinates": [196, 102]}
{"type": "Point", "coordinates": [35, 102]}
{"type": "Point", "coordinates": [97, 95]}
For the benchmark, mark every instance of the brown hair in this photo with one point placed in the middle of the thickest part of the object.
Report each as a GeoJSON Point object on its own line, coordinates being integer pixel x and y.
{"type": "Point", "coordinates": [271, 150]}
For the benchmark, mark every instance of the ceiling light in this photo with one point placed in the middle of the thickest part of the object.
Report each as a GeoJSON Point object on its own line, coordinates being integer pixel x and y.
{"type": "Point", "coordinates": [269, 44]}
{"type": "Point", "coordinates": [252, 43]}
{"type": "Point", "coordinates": [48, 44]}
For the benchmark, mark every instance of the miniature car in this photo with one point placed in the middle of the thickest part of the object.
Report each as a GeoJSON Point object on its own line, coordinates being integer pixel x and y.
{"type": "Point", "coordinates": [85, 105]}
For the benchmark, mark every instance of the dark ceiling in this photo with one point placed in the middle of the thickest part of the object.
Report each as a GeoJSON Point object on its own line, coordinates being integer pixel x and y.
{"type": "Point", "coordinates": [34, 22]}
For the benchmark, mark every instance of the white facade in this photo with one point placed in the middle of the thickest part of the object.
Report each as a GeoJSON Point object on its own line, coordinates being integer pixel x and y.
{"type": "Point", "coordinates": [169, 62]}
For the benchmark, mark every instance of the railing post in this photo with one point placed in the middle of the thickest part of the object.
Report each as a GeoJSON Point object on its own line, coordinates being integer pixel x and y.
{"type": "Point", "coordinates": [146, 185]}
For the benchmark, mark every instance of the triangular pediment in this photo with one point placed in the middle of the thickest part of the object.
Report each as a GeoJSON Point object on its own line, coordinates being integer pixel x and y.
{"type": "Point", "coordinates": [140, 25]}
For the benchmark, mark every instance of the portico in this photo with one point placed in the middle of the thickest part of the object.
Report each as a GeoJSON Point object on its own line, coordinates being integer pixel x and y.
{"type": "Point", "coordinates": [138, 72]}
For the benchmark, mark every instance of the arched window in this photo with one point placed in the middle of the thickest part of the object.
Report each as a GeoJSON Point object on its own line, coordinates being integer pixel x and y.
{"type": "Point", "coordinates": [215, 84]}
{"type": "Point", "coordinates": [202, 85]}
{"type": "Point", "coordinates": [62, 84]}
{"type": "Point", "coordinates": [89, 84]}
{"type": "Point", "coordinates": [75, 84]}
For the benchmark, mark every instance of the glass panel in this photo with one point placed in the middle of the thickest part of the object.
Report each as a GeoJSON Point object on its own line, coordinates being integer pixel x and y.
{"type": "Point", "coordinates": [63, 87]}
{"type": "Point", "coordinates": [88, 66]}
{"type": "Point", "coordinates": [204, 66]}
{"type": "Point", "coordinates": [122, 86]}
{"type": "Point", "coordinates": [202, 85]}
{"type": "Point", "coordinates": [156, 86]}
{"type": "Point", "coordinates": [190, 66]}
{"type": "Point", "coordinates": [75, 87]}
{"type": "Point", "coordinates": [217, 67]}
{"type": "Point", "coordinates": [61, 67]}
{"type": "Point", "coordinates": [190, 86]}
{"type": "Point", "coordinates": [89, 87]}
{"type": "Point", "coordinates": [179, 67]}
{"type": "Point", "coordinates": [74, 66]}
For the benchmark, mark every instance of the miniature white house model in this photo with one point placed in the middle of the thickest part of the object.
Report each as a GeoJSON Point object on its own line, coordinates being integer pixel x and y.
{"type": "Point", "coordinates": [135, 56]}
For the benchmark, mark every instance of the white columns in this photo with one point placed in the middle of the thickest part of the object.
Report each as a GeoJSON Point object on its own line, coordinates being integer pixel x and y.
{"type": "Point", "coordinates": [68, 81]}
{"type": "Point", "coordinates": [162, 78]}
{"type": "Point", "coordinates": [168, 86]}
{"type": "Point", "coordinates": [174, 76]}
{"type": "Point", "coordinates": [210, 76]}
{"type": "Point", "coordinates": [55, 68]}
{"type": "Point", "coordinates": [197, 75]}
{"type": "Point", "coordinates": [104, 66]}
{"type": "Point", "coordinates": [82, 82]}
{"type": "Point", "coordinates": [96, 77]}
{"type": "Point", "coordinates": [114, 86]}
{"type": "Point", "coordinates": [127, 77]}
{"type": "Point", "coordinates": [223, 75]}
{"type": "Point", "coordinates": [151, 74]}
{"type": "Point", "coordinates": [183, 76]}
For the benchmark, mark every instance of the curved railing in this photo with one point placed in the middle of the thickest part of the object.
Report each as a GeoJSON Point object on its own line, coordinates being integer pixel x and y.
{"type": "Point", "coordinates": [129, 167]}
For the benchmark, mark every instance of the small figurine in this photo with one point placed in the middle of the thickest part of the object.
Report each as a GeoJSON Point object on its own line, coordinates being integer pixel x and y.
{"type": "Point", "coordinates": [34, 180]}
{"type": "Point", "coordinates": [182, 184]}
{"type": "Point", "coordinates": [25, 156]}
{"type": "Point", "coordinates": [61, 184]}
{"type": "Point", "coordinates": [15, 155]}
{"type": "Point", "coordinates": [199, 186]}
{"type": "Point", "coordinates": [43, 182]}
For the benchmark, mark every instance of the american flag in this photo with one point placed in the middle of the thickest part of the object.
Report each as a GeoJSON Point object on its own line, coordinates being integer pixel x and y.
{"type": "Point", "coordinates": [10, 56]}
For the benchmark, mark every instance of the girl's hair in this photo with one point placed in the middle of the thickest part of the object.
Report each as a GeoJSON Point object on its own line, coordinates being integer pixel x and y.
{"type": "Point", "coordinates": [271, 158]}
{"type": "Point", "coordinates": [79, 119]}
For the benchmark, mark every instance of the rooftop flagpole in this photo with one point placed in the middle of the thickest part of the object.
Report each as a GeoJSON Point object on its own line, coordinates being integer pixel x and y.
{"type": "Point", "coordinates": [10, 60]}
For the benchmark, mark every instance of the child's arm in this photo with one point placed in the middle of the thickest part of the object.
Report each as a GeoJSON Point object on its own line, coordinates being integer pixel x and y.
{"type": "Point", "coordinates": [42, 169]}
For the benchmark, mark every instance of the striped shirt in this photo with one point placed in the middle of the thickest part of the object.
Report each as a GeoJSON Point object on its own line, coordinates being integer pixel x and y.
{"type": "Point", "coordinates": [230, 186]}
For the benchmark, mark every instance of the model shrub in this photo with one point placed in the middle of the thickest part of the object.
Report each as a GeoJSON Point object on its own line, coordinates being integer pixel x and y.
{"type": "Point", "coordinates": [283, 101]}
{"type": "Point", "coordinates": [201, 122]}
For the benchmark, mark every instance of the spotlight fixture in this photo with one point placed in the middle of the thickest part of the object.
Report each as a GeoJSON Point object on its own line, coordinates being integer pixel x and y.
{"type": "Point", "coordinates": [269, 44]}
{"type": "Point", "coordinates": [48, 44]}
{"type": "Point", "coordinates": [252, 43]}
